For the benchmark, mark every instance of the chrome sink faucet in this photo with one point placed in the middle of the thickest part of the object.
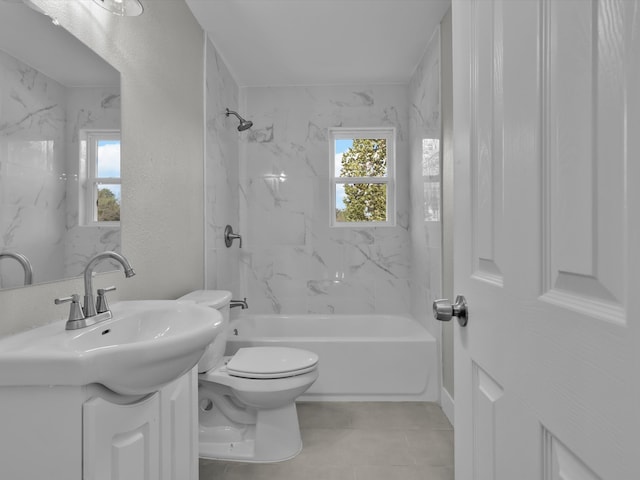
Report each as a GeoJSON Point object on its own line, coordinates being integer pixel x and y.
{"type": "Point", "coordinates": [89, 307]}
{"type": "Point", "coordinates": [79, 316]}
{"type": "Point", "coordinates": [24, 262]}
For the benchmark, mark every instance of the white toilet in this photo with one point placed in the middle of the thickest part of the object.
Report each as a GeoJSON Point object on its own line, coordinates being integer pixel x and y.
{"type": "Point", "coordinates": [247, 409]}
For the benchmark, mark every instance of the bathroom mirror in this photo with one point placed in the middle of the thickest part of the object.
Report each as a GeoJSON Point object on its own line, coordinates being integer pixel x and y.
{"type": "Point", "coordinates": [58, 99]}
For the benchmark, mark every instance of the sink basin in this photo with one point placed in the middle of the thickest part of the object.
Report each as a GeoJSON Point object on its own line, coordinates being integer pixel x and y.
{"type": "Point", "coordinates": [146, 345]}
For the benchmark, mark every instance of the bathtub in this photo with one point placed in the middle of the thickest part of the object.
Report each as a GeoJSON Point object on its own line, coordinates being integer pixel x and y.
{"type": "Point", "coordinates": [362, 357]}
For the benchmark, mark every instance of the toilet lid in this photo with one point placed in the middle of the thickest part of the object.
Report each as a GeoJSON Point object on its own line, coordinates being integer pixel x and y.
{"type": "Point", "coordinates": [271, 362]}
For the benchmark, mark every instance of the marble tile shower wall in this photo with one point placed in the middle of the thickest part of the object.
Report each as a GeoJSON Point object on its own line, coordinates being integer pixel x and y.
{"type": "Point", "coordinates": [425, 127]}
{"type": "Point", "coordinates": [292, 260]}
{"type": "Point", "coordinates": [222, 169]}
{"type": "Point", "coordinates": [39, 170]}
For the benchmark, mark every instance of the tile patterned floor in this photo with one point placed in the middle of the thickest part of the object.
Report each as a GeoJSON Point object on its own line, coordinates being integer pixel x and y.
{"type": "Point", "coordinates": [358, 441]}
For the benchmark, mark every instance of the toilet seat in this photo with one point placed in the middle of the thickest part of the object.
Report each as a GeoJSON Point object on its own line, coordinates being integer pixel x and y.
{"type": "Point", "coordinates": [271, 362]}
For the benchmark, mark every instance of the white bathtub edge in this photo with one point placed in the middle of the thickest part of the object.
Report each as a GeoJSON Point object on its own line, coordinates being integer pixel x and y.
{"type": "Point", "coordinates": [446, 402]}
{"type": "Point", "coordinates": [406, 365]}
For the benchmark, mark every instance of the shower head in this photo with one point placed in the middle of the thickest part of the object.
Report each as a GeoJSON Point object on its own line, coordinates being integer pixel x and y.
{"type": "Point", "coordinates": [244, 124]}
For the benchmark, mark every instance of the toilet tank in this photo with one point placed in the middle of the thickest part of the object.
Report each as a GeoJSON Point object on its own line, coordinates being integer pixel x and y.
{"type": "Point", "coordinates": [218, 299]}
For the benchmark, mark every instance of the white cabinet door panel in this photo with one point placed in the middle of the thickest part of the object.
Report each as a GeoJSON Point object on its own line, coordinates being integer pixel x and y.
{"type": "Point", "coordinates": [121, 442]}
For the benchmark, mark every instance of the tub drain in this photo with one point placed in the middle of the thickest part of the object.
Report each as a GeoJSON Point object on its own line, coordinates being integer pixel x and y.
{"type": "Point", "coordinates": [206, 405]}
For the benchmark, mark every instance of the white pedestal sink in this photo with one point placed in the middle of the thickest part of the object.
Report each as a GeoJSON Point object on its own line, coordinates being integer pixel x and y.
{"type": "Point", "coordinates": [146, 345]}
{"type": "Point", "coordinates": [113, 400]}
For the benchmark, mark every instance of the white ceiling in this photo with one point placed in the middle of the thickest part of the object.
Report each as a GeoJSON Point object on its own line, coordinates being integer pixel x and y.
{"type": "Point", "coordinates": [319, 42]}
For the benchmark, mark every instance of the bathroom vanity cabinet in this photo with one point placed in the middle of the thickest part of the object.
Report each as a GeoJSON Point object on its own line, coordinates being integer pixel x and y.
{"type": "Point", "coordinates": [91, 433]}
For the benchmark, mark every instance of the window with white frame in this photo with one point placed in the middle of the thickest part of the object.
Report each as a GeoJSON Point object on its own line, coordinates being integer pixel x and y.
{"type": "Point", "coordinates": [100, 167]}
{"type": "Point", "coordinates": [363, 176]}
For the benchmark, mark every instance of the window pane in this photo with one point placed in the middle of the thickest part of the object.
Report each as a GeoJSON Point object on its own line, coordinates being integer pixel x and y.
{"type": "Point", "coordinates": [361, 202]}
{"type": "Point", "coordinates": [108, 161]}
{"type": "Point", "coordinates": [108, 203]}
{"type": "Point", "coordinates": [361, 157]}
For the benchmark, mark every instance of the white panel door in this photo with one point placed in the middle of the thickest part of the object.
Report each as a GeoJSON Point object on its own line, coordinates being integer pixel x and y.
{"type": "Point", "coordinates": [547, 238]}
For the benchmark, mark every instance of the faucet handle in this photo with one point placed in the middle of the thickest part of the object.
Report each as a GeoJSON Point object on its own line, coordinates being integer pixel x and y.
{"type": "Point", "coordinates": [101, 302]}
{"type": "Point", "coordinates": [229, 236]}
{"type": "Point", "coordinates": [75, 312]}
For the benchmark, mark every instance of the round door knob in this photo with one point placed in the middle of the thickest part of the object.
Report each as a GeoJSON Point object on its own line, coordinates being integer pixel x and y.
{"type": "Point", "coordinates": [443, 310]}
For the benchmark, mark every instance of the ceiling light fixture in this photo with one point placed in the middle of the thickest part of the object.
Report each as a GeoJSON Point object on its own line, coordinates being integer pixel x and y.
{"type": "Point", "coordinates": [123, 8]}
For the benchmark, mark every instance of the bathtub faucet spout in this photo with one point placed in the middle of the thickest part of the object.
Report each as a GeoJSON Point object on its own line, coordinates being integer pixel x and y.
{"type": "Point", "coordinates": [239, 303]}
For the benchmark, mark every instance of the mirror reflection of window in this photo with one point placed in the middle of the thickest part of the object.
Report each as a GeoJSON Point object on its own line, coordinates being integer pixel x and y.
{"type": "Point", "coordinates": [102, 194]}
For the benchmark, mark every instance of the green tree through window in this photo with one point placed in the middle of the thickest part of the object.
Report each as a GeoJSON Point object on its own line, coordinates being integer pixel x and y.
{"type": "Point", "coordinates": [108, 206]}
{"type": "Point", "coordinates": [364, 202]}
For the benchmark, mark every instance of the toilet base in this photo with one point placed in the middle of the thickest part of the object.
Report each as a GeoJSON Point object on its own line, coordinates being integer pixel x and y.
{"type": "Point", "coordinates": [274, 437]}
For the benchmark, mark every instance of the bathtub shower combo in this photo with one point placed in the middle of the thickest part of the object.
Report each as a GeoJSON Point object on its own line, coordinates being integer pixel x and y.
{"type": "Point", "coordinates": [371, 357]}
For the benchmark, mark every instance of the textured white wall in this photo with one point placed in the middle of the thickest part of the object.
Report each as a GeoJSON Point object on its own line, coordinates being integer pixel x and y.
{"type": "Point", "coordinates": [160, 56]}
